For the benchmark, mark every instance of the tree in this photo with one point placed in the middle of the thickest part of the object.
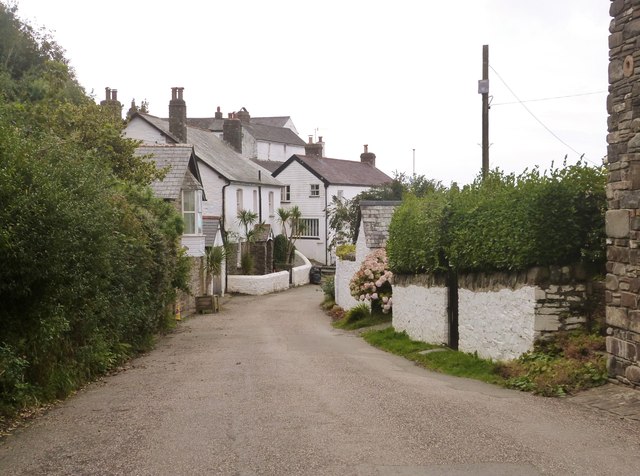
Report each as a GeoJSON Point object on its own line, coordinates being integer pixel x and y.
{"type": "Point", "coordinates": [291, 217]}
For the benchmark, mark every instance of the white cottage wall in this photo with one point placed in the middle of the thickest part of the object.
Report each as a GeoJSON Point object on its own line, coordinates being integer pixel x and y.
{"type": "Point", "coordinates": [141, 130]}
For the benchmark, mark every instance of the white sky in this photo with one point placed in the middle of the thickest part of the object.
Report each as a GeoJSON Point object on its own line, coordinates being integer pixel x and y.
{"type": "Point", "coordinates": [398, 75]}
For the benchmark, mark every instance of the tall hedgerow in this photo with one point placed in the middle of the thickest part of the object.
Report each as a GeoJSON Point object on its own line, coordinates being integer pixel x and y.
{"type": "Point", "coordinates": [504, 222]}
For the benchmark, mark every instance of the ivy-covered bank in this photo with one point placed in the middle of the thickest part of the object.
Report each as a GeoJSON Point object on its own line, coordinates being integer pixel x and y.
{"type": "Point", "coordinates": [504, 223]}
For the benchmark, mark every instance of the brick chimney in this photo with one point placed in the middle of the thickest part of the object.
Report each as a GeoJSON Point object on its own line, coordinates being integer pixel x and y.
{"type": "Point", "coordinates": [244, 116]}
{"type": "Point", "coordinates": [314, 150]}
{"type": "Point", "coordinates": [367, 157]}
{"type": "Point", "coordinates": [111, 103]}
{"type": "Point", "coordinates": [232, 132]}
{"type": "Point", "coordinates": [218, 113]}
{"type": "Point", "coordinates": [178, 115]}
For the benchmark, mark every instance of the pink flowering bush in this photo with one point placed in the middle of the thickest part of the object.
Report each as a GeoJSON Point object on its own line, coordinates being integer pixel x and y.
{"type": "Point", "coordinates": [372, 282]}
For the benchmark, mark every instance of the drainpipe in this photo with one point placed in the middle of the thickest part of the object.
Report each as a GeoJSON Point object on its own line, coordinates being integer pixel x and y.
{"type": "Point", "coordinates": [224, 234]}
{"type": "Point", "coordinates": [326, 226]}
{"type": "Point", "coordinates": [259, 197]}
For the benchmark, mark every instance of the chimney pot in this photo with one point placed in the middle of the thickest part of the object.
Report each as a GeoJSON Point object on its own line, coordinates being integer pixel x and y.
{"type": "Point", "coordinates": [310, 139]}
{"type": "Point", "coordinates": [114, 94]}
{"type": "Point", "coordinates": [367, 157]}
{"type": "Point", "coordinates": [107, 93]}
{"type": "Point", "coordinates": [178, 115]}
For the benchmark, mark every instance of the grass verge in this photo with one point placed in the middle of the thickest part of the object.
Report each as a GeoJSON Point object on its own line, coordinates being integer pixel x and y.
{"type": "Point", "coordinates": [569, 363]}
{"type": "Point", "coordinates": [359, 317]}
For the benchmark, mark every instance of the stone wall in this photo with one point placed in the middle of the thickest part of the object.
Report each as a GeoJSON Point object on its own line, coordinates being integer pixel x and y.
{"type": "Point", "coordinates": [420, 308]}
{"type": "Point", "coordinates": [187, 301]}
{"type": "Point", "coordinates": [500, 315]}
{"type": "Point", "coordinates": [623, 193]}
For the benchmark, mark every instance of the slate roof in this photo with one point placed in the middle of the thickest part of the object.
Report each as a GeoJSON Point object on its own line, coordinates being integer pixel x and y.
{"type": "Point", "coordinates": [338, 172]}
{"type": "Point", "coordinates": [215, 153]}
{"type": "Point", "coordinates": [208, 123]}
{"type": "Point", "coordinates": [275, 121]}
{"type": "Point", "coordinates": [376, 218]}
{"type": "Point", "coordinates": [177, 159]}
{"type": "Point", "coordinates": [270, 165]}
{"type": "Point", "coordinates": [210, 227]}
{"type": "Point", "coordinates": [281, 135]}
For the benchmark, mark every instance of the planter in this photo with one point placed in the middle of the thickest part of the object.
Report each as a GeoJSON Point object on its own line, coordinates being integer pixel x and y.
{"type": "Point", "coordinates": [207, 303]}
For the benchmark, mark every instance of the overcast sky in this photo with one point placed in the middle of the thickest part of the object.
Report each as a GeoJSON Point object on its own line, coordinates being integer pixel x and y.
{"type": "Point", "coordinates": [398, 75]}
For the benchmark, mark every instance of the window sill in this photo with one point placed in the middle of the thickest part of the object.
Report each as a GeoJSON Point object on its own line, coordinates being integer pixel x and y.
{"type": "Point", "coordinates": [314, 196]}
{"type": "Point", "coordinates": [309, 238]}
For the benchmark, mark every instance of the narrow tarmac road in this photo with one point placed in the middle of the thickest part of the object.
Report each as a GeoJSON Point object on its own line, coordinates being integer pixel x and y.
{"type": "Point", "coordinates": [268, 387]}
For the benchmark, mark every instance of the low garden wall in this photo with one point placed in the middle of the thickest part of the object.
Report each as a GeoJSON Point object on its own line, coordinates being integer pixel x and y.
{"type": "Point", "coordinates": [300, 272]}
{"type": "Point", "coordinates": [258, 285]}
{"type": "Point", "coordinates": [500, 315]}
{"type": "Point", "coordinates": [345, 270]}
{"type": "Point", "coordinates": [420, 308]}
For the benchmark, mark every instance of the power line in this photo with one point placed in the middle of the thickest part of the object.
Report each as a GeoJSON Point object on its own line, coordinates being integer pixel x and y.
{"type": "Point", "coordinates": [536, 118]}
{"type": "Point", "coordinates": [549, 98]}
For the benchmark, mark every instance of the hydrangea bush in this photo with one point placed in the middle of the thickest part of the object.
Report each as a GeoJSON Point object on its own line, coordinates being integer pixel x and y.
{"type": "Point", "coordinates": [372, 282]}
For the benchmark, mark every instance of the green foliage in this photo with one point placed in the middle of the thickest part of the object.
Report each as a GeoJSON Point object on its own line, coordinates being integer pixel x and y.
{"type": "Point", "coordinates": [89, 260]}
{"type": "Point", "coordinates": [459, 364]}
{"type": "Point", "coordinates": [280, 249]}
{"type": "Point", "coordinates": [359, 317]}
{"type": "Point", "coordinates": [346, 251]}
{"type": "Point", "coordinates": [505, 222]}
{"type": "Point", "coordinates": [328, 287]}
{"type": "Point", "coordinates": [568, 363]}
{"type": "Point", "coordinates": [292, 229]}
{"type": "Point", "coordinates": [344, 214]}
{"type": "Point", "coordinates": [418, 235]}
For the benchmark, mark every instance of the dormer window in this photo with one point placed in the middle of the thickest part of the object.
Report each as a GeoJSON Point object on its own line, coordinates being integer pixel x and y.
{"type": "Point", "coordinates": [315, 190]}
{"type": "Point", "coordinates": [192, 212]}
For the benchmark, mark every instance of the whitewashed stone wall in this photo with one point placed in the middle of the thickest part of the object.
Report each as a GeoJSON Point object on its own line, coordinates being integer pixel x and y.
{"type": "Point", "coordinates": [499, 325]}
{"type": "Point", "coordinates": [258, 285]}
{"type": "Point", "coordinates": [300, 273]}
{"type": "Point", "coordinates": [344, 272]}
{"type": "Point", "coordinates": [421, 311]}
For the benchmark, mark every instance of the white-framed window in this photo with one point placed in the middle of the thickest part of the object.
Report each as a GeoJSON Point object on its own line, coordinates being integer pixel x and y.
{"type": "Point", "coordinates": [239, 200]}
{"type": "Point", "coordinates": [192, 212]}
{"type": "Point", "coordinates": [315, 190]}
{"type": "Point", "coordinates": [255, 201]}
{"type": "Point", "coordinates": [310, 227]}
{"type": "Point", "coordinates": [285, 193]}
{"type": "Point", "coordinates": [271, 204]}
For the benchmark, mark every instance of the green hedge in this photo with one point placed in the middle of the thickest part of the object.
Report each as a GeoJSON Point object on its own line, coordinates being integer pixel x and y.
{"type": "Point", "coordinates": [505, 222]}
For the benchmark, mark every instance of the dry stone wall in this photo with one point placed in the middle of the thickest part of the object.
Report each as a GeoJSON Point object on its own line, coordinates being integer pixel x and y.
{"type": "Point", "coordinates": [623, 193]}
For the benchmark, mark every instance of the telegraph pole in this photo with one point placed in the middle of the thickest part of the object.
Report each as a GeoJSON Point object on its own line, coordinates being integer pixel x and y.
{"type": "Point", "coordinates": [483, 88]}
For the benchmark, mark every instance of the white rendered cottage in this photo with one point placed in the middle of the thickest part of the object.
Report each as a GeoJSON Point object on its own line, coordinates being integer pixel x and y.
{"type": "Point", "coordinates": [311, 181]}
{"type": "Point", "coordinates": [231, 182]}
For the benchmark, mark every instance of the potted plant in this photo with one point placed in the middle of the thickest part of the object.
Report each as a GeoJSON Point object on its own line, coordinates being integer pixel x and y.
{"type": "Point", "coordinates": [213, 261]}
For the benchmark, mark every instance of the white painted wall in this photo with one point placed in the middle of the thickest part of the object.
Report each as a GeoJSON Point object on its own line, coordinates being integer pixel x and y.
{"type": "Point", "coordinates": [141, 130]}
{"type": "Point", "coordinates": [258, 285]}
{"type": "Point", "coordinates": [344, 272]}
{"type": "Point", "coordinates": [497, 324]}
{"type": "Point", "coordinates": [231, 205]}
{"type": "Point", "coordinates": [277, 151]}
{"type": "Point", "coordinates": [300, 274]}
{"type": "Point", "coordinates": [421, 312]}
{"type": "Point", "coordinates": [194, 245]}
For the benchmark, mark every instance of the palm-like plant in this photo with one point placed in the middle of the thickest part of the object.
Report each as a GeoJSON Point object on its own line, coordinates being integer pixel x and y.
{"type": "Point", "coordinates": [291, 217]}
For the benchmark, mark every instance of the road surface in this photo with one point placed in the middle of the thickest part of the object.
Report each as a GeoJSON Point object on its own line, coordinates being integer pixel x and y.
{"type": "Point", "coordinates": [267, 387]}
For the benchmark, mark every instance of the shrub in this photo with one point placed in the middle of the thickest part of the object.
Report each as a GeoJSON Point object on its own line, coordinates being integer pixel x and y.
{"type": "Point", "coordinates": [372, 282]}
{"type": "Point", "coordinates": [357, 313]}
{"type": "Point", "coordinates": [329, 288]}
{"type": "Point", "coordinates": [346, 251]}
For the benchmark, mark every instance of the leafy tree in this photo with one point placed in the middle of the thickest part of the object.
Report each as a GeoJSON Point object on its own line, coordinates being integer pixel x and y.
{"type": "Point", "coordinates": [291, 218]}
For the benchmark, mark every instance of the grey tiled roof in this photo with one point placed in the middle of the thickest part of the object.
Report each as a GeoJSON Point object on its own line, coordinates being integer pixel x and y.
{"type": "Point", "coordinates": [376, 217]}
{"type": "Point", "coordinates": [274, 121]}
{"type": "Point", "coordinates": [210, 227]}
{"type": "Point", "coordinates": [270, 165]}
{"type": "Point", "coordinates": [215, 153]}
{"type": "Point", "coordinates": [339, 172]}
{"type": "Point", "coordinates": [207, 123]}
{"type": "Point", "coordinates": [281, 135]}
{"type": "Point", "coordinates": [176, 158]}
